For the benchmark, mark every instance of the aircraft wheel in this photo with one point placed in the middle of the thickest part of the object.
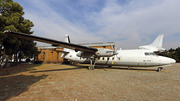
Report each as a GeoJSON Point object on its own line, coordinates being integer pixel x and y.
{"type": "Point", "coordinates": [91, 68]}
{"type": "Point", "coordinates": [159, 69]}
{"type": "Point", "coordinates": [110, 66]}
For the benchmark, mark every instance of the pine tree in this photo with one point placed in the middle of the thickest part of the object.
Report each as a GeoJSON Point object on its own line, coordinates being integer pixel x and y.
{"type": "Point", "coordinates": [11, 18]}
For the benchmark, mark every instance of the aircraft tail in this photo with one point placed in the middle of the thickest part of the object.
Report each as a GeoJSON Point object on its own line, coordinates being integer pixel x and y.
{"type": "Point", "coordinates": [67, 39]}
{"type": "Point", "coordinates": [156, 45]}
{"type": "Point", "coordinates": [66, 50]}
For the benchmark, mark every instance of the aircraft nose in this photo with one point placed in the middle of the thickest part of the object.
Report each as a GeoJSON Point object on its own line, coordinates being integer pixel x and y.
{"type": "Point", "coordinates": [173, 61]}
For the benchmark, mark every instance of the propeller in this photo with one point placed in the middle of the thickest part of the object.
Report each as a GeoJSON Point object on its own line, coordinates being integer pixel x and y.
{"type": "Point", "coordinates": [115, 51]}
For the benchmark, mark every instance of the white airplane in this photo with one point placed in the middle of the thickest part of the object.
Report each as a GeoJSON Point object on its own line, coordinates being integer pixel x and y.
{"type": "Point", "coordinates": [142, 57]}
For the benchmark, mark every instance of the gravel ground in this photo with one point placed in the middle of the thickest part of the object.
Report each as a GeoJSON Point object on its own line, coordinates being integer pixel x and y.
{"type": "Point", "coordinates": [53, 82]}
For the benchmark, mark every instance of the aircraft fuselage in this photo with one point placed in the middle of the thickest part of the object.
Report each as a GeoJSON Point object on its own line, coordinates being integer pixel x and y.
{"type": "Point", "coordinates": [130, 58]}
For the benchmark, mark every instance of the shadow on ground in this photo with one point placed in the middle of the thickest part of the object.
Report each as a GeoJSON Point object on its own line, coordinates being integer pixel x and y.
{"type": "Point", "coordinates": [117, 67]}
{"type": "Point", "coordinates": [15, 85]}
{"type": "Point", "coordinates": [18, 69]}
{"type": "Point", "coordinates": [125, 68]}
{"type": "Point", "coordinates": [55, 70]}
{"type": "Point", "coordinates": [77, 66]}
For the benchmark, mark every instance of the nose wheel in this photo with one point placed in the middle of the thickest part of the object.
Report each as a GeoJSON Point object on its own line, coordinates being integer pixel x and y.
{"type": "Point", "coordinates": [159, 69]}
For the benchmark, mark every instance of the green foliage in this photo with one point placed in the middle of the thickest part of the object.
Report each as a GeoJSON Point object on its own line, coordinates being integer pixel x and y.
{"type": "Point", "coordinates": [11, 18]}
{"type": "Point", "coordinates": [172, 53]}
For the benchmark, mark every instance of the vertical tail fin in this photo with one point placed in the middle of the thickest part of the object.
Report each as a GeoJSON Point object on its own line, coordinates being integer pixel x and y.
{"type": "Point", "coordinates": [67, 39]}
{"type": "Point", "coordinates": [158, 42]}
{"type": "Point", "coordinates": [66, 50]}
{"type": "Point", "coordinates": [156, 45]}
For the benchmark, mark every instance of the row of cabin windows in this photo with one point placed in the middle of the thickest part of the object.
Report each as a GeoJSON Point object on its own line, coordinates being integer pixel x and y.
{"type": "Point", "coordinates": [102, 58]}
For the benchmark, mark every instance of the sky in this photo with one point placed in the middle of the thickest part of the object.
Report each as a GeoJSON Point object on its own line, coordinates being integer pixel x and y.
{"type": "Point", "coordinates": [128, 23]}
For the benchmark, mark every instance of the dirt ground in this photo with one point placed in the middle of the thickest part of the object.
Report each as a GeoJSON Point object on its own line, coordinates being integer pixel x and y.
{"type": "Point", "coordinates": [55, 82]}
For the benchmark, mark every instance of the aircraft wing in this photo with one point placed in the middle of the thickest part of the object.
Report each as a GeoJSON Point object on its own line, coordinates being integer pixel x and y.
{"type": "Point", "coordinates": [51, 41]}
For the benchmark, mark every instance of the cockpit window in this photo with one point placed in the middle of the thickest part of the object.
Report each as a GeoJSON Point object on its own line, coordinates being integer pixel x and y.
{"type": "Point", "coordinates": [152, 53]}
{"type": "Point", "coordinates": [146, 53]}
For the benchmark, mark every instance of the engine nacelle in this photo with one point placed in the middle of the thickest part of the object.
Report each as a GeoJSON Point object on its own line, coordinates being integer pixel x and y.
{"type": "Point", "coordinates": [84, 55]}
{"type": "Point", "coordinates": [102, 52]}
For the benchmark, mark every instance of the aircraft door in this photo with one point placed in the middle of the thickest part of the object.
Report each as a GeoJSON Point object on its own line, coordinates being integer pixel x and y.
{"type": "Point", "coordinates": [145, 60]}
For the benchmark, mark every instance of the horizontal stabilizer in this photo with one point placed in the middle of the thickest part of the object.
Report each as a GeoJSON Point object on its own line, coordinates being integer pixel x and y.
{"type": "Point", "coordinates": [156, 45]}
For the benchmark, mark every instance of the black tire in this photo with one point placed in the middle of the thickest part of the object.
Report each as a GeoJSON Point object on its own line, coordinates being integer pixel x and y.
{"type": "Point", "coordinates": [92, 68]}
{"type": "Point", "coordinates": [159, 69]}
{"type": "Point", "coordinates": [89, 67]}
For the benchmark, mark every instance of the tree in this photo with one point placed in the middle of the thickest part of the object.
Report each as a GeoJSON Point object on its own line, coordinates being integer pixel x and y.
{"type": "Point", "coordinates": [11, 18]}
{"type": "Point", "coordinates": [177, 53]}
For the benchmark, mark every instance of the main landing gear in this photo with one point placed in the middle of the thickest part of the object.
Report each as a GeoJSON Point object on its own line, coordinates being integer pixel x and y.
{"type": "Point", "coordinates": [91, 67]}
{"type": "Point", "coordinates": [159, 69]}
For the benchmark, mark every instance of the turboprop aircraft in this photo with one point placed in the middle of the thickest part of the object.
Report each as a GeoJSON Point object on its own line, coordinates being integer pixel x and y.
{"type": "Point", "coordinates": [142, 57]}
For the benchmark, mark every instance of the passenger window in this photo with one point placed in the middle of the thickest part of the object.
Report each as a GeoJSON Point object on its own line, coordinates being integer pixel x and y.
{"type": "Point", "coordinates": [103, 58]}
{"type": "Point", "coordinates": [108, 58]}
{"type": "Point", "coordinates": [112, 58]}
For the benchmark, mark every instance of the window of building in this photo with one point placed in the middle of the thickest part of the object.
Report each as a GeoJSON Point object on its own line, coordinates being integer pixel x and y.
{"type": "Point", "coordinates": [57, 55]}
{"type": "Point", "coordinates": [43, 56]}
